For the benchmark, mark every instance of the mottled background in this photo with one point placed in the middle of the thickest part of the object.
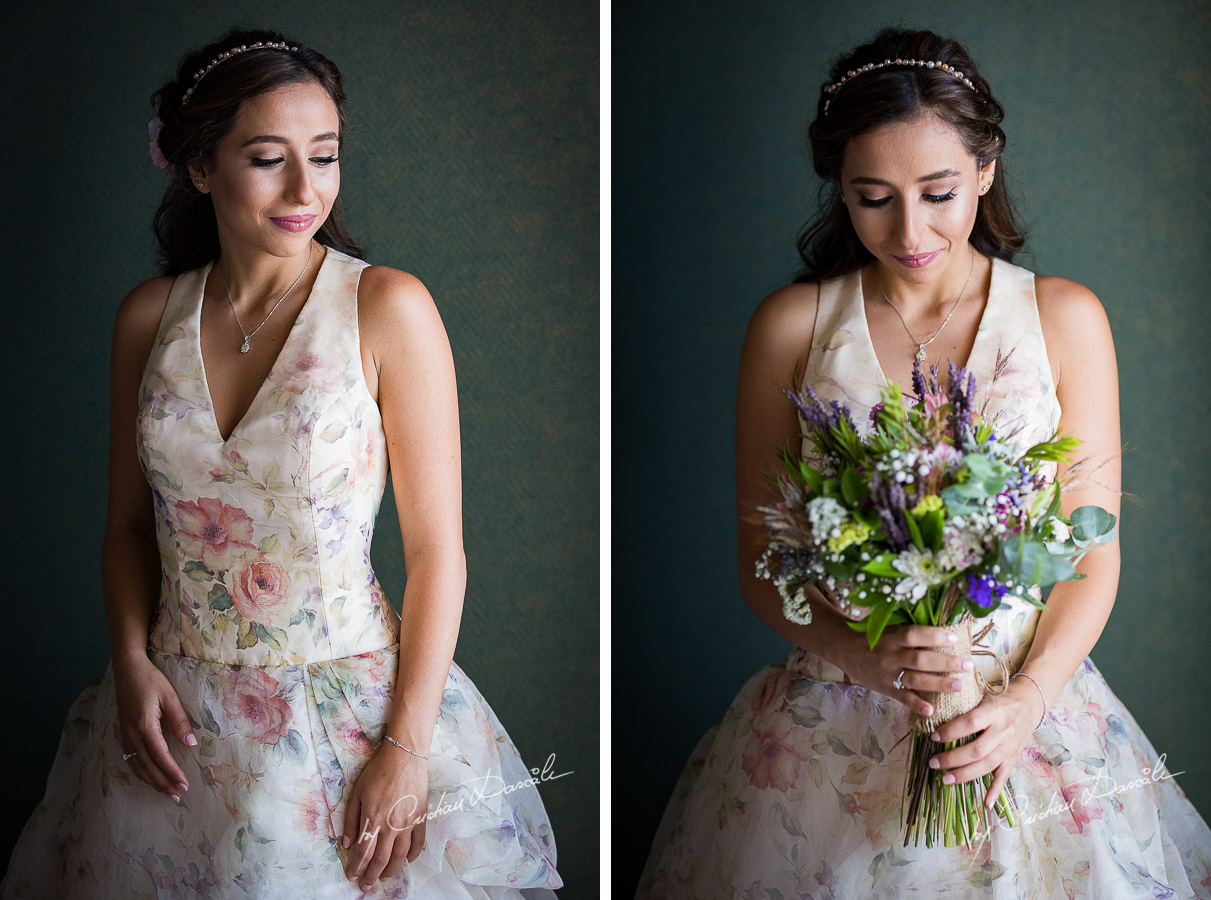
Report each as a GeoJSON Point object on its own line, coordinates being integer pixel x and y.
{"type": "Point", "coordinates": [472, 162]}
{"type": "Point", "coordinates": [1107, 124]}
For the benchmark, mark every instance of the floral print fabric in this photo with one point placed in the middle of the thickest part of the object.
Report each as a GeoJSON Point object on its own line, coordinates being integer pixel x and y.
{"type": "Point", "coordinates": [283, 650]}
{"type": "Point", "coordinates": [795, 792]}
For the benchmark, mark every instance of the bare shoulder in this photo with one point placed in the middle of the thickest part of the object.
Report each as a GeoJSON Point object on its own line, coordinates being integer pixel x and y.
{"type": "Point", "coordinates": [393, 304]}
{"type": "Point", "coordinates": [1075, 327]}
{"type": "Point", "coordinates": [785, 317]}
{"type": "Point", "coordinates": [143, 307]}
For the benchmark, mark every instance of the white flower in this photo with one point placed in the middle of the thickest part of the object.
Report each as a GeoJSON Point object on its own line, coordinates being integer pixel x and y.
{"type": "Point", "coordinates": [1056, 530]}
{"type": "Point", "coordinates": [827, 516]}
{"type": "Point", "coordinates": [960, 549]}
{"type": "Point", "coordinates": [794, 606]}
{"type": "Point", "coordinates": [922, 571]}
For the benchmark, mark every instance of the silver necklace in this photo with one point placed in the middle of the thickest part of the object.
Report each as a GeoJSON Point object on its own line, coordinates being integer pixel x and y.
{"type": "Point", "coordinates": [921, 345]}
{"type": "Point", "coordinates": [244, 348]}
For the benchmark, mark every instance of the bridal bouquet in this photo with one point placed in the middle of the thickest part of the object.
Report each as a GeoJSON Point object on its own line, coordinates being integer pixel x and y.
{"type": "Point", "coordinates": [933, 518]}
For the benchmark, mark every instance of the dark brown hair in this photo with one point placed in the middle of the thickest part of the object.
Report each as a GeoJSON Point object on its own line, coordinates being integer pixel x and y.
{"type": "Point", "coordinates": [185, 223]}
{"type": "Point", "coordinates": [828, 244]}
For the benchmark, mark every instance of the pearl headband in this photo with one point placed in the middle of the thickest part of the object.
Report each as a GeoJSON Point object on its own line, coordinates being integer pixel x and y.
{"type": "Point", "coordinates": [870, 67]}
{"type": "Point", "coordinates": [228, 54]}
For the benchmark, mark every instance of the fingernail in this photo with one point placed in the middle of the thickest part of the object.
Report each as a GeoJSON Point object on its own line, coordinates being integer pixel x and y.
{"type": "Point", "coordinates": [952, 637]}
{"type": "Point", "coordinates": [948, 779]}
{"type": "Point", "coordinates": [955, 685]}
{"type": "Point", "coordinates": [934, 764]}
{"type": "Point", "coordinates": [175, 798]}
{"type": "Point", "coordinates": [929, 710]}
{"type": "Point", "coordinates": [190, 741]}
{"type": "Point", "coordinates": [183, 786]}
{"type": "Point", "coordinates": [935, 737]}
{"type": "Point", "coordinates": [968, 665]}
{"type": "Point", "coordinates": [345, 842]}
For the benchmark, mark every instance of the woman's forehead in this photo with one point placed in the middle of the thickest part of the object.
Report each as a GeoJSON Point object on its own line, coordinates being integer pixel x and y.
{"type": "Point", "coordinates": [909, 150]}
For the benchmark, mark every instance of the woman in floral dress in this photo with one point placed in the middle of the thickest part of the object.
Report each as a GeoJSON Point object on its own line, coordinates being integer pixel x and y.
{"type": "Point", "coordinates": [269, 726]}
{"type": "Point", "coordinates": [796, 791]}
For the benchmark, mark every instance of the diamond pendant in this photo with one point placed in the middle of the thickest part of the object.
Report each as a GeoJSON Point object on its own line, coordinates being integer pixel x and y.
{"type": "Point", "coordinates": [244, 346]}
{"type": "Point", "coordinates": [920, 352]}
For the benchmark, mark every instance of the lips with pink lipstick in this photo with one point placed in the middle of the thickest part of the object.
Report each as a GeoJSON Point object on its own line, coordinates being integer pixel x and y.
{"type": "Point", "coordinates": [917, 260]}
{"type": "Point", "coordinates": [293, 223]}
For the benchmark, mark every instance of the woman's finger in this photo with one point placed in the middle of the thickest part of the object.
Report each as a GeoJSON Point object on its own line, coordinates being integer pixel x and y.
{"type": "Point", "coordinates": [171, 777]}
{"type": "Point", "coordinates": [418, 840]}
{"type": "Point", "coordinates": [144, 766]}
{"type": "Point", "coordinates": [999, 780]}
{"type": "Point", "coordinates": [381, 858]}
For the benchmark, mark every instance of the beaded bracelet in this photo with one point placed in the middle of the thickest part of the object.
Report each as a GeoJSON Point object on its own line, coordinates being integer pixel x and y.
{"type": "Point", "coordinates": [1040, 690]}
{"type": "Point", "coordinates": [402, 747]}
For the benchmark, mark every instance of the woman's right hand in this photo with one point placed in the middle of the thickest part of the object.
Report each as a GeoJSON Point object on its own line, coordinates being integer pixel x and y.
{"type": "Point", "coordinates": [148, 708]}
{"type": "Point", "coordinates": [907, 649]}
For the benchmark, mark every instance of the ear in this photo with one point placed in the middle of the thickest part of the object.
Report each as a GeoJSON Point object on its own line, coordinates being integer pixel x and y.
{"type": "Point", "coordinates": [198, 174]}
{"type": "Point", "coordinates": [988, 171]}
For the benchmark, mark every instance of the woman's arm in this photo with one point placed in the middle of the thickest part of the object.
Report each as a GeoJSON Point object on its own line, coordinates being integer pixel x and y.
{"type": "Point", "coordinates": [130, 563]}
{"type": "Point", "coordinates": [414, 384]}
{"type": "Point", "coordinates": [1081, 350]}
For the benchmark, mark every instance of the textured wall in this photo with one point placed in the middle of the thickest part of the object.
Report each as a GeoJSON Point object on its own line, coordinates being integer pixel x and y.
{"type": "Point", "coordinates": [472, 162]}
{"type": "Point", "coordinates": [1107, 125]}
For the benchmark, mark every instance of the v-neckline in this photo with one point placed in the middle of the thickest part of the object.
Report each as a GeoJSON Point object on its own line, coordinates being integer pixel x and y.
{"type": "Point", "coordinates": [264, 386]}
{"type": "Point", "coordinates": [976, 346]}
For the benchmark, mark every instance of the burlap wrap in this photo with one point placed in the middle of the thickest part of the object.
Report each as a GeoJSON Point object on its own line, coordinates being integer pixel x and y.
{"type": "Point", "coordinates": [948, 705]}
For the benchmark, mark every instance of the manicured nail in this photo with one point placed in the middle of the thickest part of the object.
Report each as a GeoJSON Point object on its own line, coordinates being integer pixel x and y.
{"type": "Point", "coordinates": [190, 741]}
{"type": "Point", "coordinates": [345, 842]}
{"type": "Point", "coordinates": [183, 786]}
{"type": "Point", "coordinates": [952, 637]}
{"type": "Point", "coordinates": [968, 665]}
{"type": "Point", "coordinates": [948, 779]}
{"type": "Point", "coordinates": [934, 764]}
{"type": "Point", "coordinates": [175, 798]}
{"type": "Point", "coordinates": [928, 710]}
{"type": "Point", "coordinates": [935, 737]}
{"type": "Point", "coordinates": [955, 685]}
{"type": "Point", "coordinates": [990, 803]}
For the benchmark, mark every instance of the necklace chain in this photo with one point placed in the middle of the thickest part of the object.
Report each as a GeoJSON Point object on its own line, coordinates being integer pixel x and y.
{"type": "Point", "coordinates": [921, 345]}
{"type": "Point", "coordinates": [244, 348]}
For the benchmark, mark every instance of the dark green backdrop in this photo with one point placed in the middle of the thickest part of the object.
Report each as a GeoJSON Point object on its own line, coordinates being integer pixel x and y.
{"type": "Point", "coordinates": [1107, 125]}
{"type": "Point", "coordinates": [472, 162]}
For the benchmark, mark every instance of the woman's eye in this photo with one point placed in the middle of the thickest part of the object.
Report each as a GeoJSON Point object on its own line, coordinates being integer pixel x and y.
{"type": "Point", "coordinates": [324, 160]}
{"type": "Point", "coordinates": [258, 161]}
{"type": "Point", "coordinates": [873, 202]}
{"type": "Point", "coordinates": [940, 198]}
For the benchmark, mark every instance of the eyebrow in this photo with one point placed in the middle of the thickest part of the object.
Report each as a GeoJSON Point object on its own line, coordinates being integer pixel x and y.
{"type": "Point", "coordinates": [936, 176]}
{"type": "Point", "coordinates": [278, 139]}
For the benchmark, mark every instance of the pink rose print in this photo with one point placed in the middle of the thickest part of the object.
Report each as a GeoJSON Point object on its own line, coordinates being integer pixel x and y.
{"type": "Point", "coordinates": [349, 735]}
{"type": "Point", "coordinates": [250, 702]}
{"type": "Point", "coordinates": [260, 589]}
{"type": "Point", "coordinates": [311, 815]}
{"type": "Point", "coordinates": [310, 370]}
{"type": "Point", "coordinates": [770, 759]}
{"type": "Point", "coordinates": [213, 532]}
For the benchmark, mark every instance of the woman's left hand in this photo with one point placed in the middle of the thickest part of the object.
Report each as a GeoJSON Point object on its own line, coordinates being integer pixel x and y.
{"type": "Point", "coordinates": [1007, 721]}
{"type": "Point", "coordinates": [381, 816]}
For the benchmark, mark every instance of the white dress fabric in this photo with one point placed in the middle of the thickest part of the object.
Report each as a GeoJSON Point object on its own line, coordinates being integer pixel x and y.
{"type": "Point", "coordinates": [795, 792]}
{"type": "Point", "coordinates": [284, 651]}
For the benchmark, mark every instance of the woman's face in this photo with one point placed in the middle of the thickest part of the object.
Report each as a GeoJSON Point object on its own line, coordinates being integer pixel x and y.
{"type": "Point", "coordinates": [911, 189]}
{"type": "Point", "coordinates": [275, 175]}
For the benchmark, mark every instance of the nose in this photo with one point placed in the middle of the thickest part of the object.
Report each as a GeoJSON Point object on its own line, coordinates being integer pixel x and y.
{"type": "Point", "coordinates": [908, 227]}
{"type": "Point", "coordinates": [299, 187]}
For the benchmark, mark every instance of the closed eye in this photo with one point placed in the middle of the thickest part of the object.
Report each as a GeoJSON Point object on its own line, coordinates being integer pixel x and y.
{"type": "Point", "coordinates": [876, 202]}
{"type": "Point", "coordinates": [267, 163]}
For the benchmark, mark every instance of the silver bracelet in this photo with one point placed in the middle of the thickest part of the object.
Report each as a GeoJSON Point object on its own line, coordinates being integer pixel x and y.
{"type": "Point", "coordinates": [1041, 696]}
{"type": "Point", "coordinates": [402, 747]}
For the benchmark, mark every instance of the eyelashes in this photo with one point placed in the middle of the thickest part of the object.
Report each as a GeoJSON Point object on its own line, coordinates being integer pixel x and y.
{"type": "Point", "coordinates": [928, 198]}
{"type": "Point", "coordinates": [260, 163]}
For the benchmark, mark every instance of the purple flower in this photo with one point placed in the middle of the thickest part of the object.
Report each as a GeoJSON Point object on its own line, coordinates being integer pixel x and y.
{"type": "Point", "coordinates": [157, 155]}
{"type": "Point", "coordinates": [984, 590]}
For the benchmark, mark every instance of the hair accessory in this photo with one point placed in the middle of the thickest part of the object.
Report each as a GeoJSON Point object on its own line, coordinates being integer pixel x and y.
{"type": "Point", "coordinates": [157, 155]}
{"type": "Point", "coordinates": [870, 67]}
{"type": "Point", "coordinates": [402, 747]}
{"type": "Point", "coordinates": [228, 54]}
{"type": "Point", "coordinates": [1036, 684]}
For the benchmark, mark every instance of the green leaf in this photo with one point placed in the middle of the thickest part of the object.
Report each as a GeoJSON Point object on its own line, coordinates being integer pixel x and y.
{"type": "Point", "coordinates": [218, 598]}
{"type": "Point", "coordinates": [788, 822]}
{"type": "Point", "coordinates": [837, 743]}
{"type": "Point", "coordinates": [857, 773]}
{"type": "Point", "coordinates": [878, 619]}
{"type": "Point", "coordinates": [197, 571]}
{"type": "Point", "coordinates": [296, 746]}
{"type": "Point", "coordinates": [337, 484]}
{"type": "Point", "coordinates": [914, 530]}
{"type": "Point", "coordinates": [247, 636]}
{"type": "Point", "coordinates": [933, 529]}
{"type": "Point", "coordinates": [241, 841]}
{"type": "Point", "coordinates": [867, 517]}
{"type": "Point", "coordinates": [269, 545]}
{"type": "Point", "coordinates": [854, 486]}
{"type": "Point", "coordinates": [273, 636]}
{"type": "Point", "coordinates": [1092, 525]}
{"type": "Point", "coordinates": [870, 746]}
{"type": "Point", "coordinates": [816, 770]}
{"type": "Point", "coordinates": [882, 567]}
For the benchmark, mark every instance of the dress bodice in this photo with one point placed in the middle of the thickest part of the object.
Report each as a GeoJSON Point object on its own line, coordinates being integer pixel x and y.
{"type": "Point", "coordinates": [265, 537]}
{"type": "Point", "coordinates": [1021, 399]}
